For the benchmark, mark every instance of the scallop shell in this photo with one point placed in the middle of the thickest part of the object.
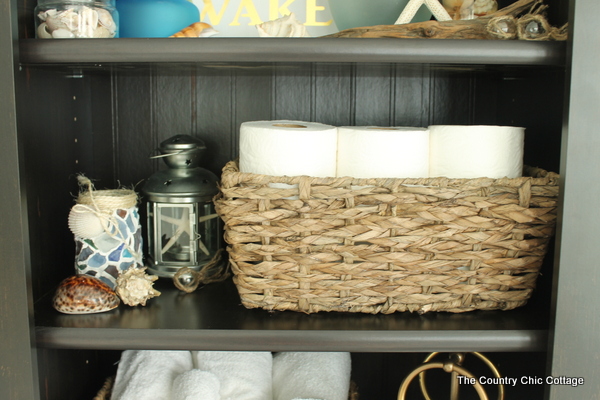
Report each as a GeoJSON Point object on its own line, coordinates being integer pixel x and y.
{"type": "Point", "coordinates": [84, 223]}
{"type": "Point", "coordinates": [83, 294]}
{"type": "Point", "coordinates": [135, 287]}
{"type": "Point", "coordinates": [287, 26]}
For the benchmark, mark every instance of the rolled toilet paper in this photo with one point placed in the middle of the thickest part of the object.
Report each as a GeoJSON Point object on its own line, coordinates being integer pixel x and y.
{"type": "Point", "coordinates": [383, 152]}
{"type": "Point", "coordinates": [289, 148]}
{"type": "Point", "coordinates": [475, 151]}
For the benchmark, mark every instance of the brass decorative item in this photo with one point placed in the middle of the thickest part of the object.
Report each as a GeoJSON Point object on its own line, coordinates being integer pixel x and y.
{"type": "Point", "coordinates": [452, 365]}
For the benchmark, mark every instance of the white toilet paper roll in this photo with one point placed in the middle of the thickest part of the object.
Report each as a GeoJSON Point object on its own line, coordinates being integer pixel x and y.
{"type": "Point", "coordinates": [382, 152]}
{"type": "Point", "coordinates": [474, 151]}
{"type": "Point", "coordinates": [289, 148]}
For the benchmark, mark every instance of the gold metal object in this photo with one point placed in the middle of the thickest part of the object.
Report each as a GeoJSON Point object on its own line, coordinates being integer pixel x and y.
{"type": "Point", "coordinates": [454, 367]}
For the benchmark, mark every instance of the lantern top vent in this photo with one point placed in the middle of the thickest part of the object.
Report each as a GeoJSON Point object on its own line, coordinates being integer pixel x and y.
{"type": "Point", "coordinates": [182, 151]}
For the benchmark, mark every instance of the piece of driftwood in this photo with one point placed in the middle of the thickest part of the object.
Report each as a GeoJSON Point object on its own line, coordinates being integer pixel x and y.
{"type": "Point", "coordinates": [506, 23]}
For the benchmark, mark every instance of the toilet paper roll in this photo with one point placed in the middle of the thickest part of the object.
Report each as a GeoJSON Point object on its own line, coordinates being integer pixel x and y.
{"type": "Point", "coordinates": [289, 148]}
{"type": "Point", "coordinates": [383, 152]}
{"type": "Point", "coordinates": [474, 151]}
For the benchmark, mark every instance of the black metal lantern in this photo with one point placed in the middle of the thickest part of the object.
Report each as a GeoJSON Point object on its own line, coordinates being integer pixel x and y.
{"type": "Point", "coordinates": [183, 228]}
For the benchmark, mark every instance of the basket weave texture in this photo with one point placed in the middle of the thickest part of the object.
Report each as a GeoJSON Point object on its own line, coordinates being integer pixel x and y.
{"type": "Point", "coordinates": [386, 245]}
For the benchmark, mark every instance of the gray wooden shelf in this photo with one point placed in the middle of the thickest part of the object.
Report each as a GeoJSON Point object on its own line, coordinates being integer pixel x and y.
{"type": "Point", "coordinates": [212, 318]}
{"type": "Point", "coordinates": [343, 50]}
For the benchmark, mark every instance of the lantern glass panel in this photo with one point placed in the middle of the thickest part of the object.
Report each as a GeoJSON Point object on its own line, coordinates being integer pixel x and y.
{"type": "Point", "coordinates": [175, 226]}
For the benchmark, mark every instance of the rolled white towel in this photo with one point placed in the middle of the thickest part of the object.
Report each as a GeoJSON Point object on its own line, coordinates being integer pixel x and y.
{"type": "Point", "coordinates": [196, 385]}
{"type": "Point", "coordinates": [243, 375]}
{"type": "Point", "coordinates": [149, 374]}
{"type": "Point", "coordinates": [306, 375]}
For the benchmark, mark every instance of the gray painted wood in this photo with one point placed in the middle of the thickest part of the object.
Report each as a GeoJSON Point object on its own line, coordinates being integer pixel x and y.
{"type": "Point", "coordinates": [575, 347]}
{"type": "Point", "coordinates": [261, 50]}
{"type": "Point", "coordinates": [17, 359]}
{"type": "Point", "coordinates": [145, 103]}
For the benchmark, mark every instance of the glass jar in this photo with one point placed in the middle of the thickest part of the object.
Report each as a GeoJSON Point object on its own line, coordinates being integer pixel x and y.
{"type": "Point", "coordinates": [76, 19]}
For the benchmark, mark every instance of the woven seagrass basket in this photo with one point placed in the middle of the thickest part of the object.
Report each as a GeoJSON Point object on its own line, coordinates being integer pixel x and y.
{"type": "Point", "coordinates": [386, 245]}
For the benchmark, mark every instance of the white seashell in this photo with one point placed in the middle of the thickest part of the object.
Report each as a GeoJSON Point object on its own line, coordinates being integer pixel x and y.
{"type": "Point", "coordinates": [83, 294]}
{"type": "Point", "coordinates": [287, 26]}
{"type": "Point", "coordinates": [134, 286]}
{"type": "Point", "coordinates": [84, 223]}
{"type": "Point", "coordinates": [62, 34]}
{"type": "Point", "coordinates": [102, 32]}
{"type": "Point", "coordinates": [48, 13]}
{"type": "Point", "coordinates": [56, 21]}
{"type": "Point", "coordinates": [69, 19]}
{"type": "Point", "coordinates": [105, 19]}
{"type": "Point", "coordinates": [484, 7]}
{"type": "Point", "coordinates": [42, 31]}
{"type": "Point", "coordinates": [88, 22]}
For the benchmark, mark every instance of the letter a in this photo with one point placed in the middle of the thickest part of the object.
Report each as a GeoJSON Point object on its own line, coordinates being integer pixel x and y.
{"type": "Point", "coordinates": [252, 14]}
{"type": "Point", "coordinates": [209, 9]}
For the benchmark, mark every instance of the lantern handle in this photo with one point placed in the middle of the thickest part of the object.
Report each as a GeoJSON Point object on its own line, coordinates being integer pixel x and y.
{"type": "Point", "coordinates": [175, 153]}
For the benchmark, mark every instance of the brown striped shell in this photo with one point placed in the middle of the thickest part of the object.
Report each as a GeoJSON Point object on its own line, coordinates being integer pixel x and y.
{"type": "Point", "coordinates": [83, 294]}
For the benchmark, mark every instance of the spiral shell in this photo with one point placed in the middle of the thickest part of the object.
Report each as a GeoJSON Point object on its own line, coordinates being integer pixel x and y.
{"type": "Point", "coordinates": [287, 26]}
{"type": "Point", "coordinates": [135, 287]}
{"type": "Point", "coordinates": [83, 294]}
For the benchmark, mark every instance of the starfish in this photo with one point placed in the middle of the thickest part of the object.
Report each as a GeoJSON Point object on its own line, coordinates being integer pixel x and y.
{"type": "Point", "coordinates": [183, 226]}
{"type": "Point", "coordinates": [438, 11]}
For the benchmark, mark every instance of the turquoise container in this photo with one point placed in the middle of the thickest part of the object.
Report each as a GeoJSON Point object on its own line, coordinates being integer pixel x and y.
{"type": "Point", "coordinates": [155, 18]}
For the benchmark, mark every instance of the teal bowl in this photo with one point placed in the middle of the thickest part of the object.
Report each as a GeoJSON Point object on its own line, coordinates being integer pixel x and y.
{"type": "Point", "coordinates": [357, 13]}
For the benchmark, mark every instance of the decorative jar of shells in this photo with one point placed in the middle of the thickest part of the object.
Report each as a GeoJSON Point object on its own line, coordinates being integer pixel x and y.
{"type": "Point", "coordinates": [76, 19]}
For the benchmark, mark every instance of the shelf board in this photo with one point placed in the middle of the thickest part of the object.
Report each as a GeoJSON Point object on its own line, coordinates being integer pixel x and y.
{"type": "Point", "coordinates": [291, 50]}
{"type": "Point", "coordinates": [212, 318]}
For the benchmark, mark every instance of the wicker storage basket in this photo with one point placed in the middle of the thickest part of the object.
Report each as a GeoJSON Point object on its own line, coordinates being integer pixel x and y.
{"type": "Point", "coordinates": [386, 245]}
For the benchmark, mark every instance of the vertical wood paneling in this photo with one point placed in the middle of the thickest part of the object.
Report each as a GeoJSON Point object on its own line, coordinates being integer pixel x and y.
{"type": "Point", "coordinates": [334, 102]}
{"type": "Point", "coordinates": [101, 108]}
{"type": "Point", "coordinates": [174, 98]}
{"type": "Point", "coordinates": [485, 98]}
{"type": "Point", "coordinates": [293, 93]}
{"type": "Point", "coordinates": [214, 114]}
{"type": "Point", "coordinates": [450, 98]}
{"type": "Point", "coordinates": [373, 89]}
{"type": "Point", "coordinates": [411, 106]}
{"type": "Point", "coordinates": [136, 136]}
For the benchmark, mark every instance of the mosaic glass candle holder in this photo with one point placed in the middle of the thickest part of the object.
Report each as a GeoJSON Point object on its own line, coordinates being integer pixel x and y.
{"type": "Point", "coordinates": [108, 234]}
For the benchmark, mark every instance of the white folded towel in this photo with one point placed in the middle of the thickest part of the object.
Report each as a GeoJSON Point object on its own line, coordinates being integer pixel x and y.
{"type": "Point", "coordinates": [196, 385]}
{"type": "Point", "coordinates": [243, 375]}
{"type": "Point", "coordinates": [149, 374]}
{"type": "Point", "coordinates": [306, 375]}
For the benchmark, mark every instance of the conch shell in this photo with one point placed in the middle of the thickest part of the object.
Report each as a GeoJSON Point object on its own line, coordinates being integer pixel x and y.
{"type": "Point", "coordinates": [287, 26]}
{"type": "Point", "coordinates": [83, 294]}
{"type": "Point", "coordinates": [197, 29]}
{"type": "Point", "coordinates": [134, 286]}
